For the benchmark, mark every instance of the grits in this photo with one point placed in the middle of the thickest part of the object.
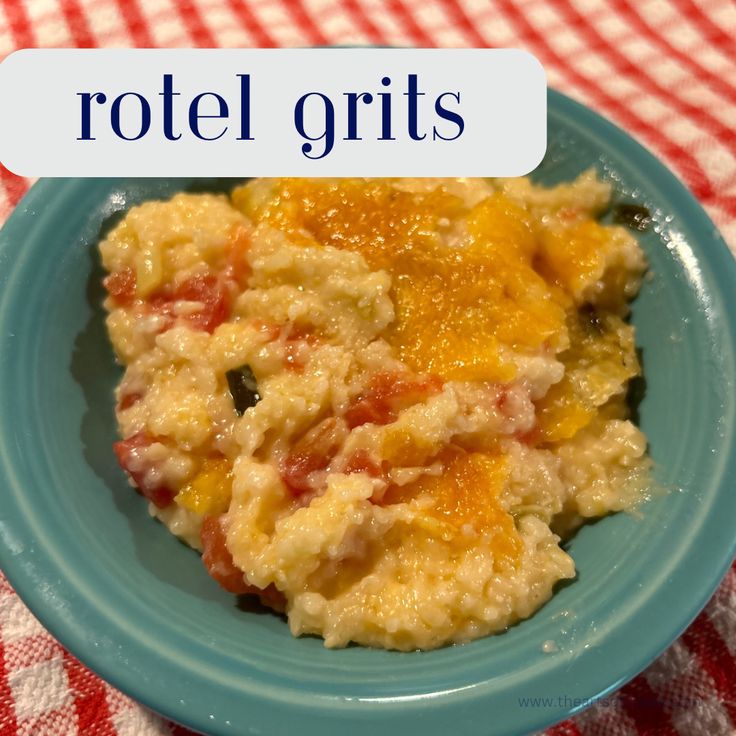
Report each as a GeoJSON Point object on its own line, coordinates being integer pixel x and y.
{"type": "Point", "coordinates": [376, 403]}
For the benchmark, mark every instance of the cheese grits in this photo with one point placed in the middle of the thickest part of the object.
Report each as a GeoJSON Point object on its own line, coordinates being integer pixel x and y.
{"type": "Point", "coordinates": [379, 404]}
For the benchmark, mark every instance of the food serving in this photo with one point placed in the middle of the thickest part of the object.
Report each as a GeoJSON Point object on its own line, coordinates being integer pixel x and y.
{"type": "Point", "coordinates": [379, 405]}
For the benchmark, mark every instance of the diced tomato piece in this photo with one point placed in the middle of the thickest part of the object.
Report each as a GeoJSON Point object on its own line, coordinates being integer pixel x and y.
{"type": "Point", "coordinates": [387, 394]}
{"type": "Point", "coordinates": [272, 597]}
{"type": "Point", "coordinates": [502, 400]}
{"type": "Point", "coordinates": [161, 303]}
{"type": "Point", "coordinates": [567, 214]}
{"type": "Point", "coordinates": [312, 452]}
{"type": "Point", "coordinates": [217, 558]}
{"type": "Point", "coordinates": [237, 254]}
{"type": "Point", "coordinates": [121, 286]}
{"type": "Point", "coordinates": [127, 452]}
{"type": "Point", "coordinates": [124, 449]}
{"type": "Point", "coordinates": [297, 334]}
{"type": "Point", "coordinates": [214, 296]}
{"type": "Point", "coordinates": [219, 563]}
{"type": "Point", "coordinates": [369, 411]}
{"type": "Point", "coordinates": [292, 361]}
{"type": "Point", "coordinates": [212, 293]}
{"type": "Point", "coordinates": [405, 388]}
{"type": "Point", "coordinates": [303, 332]}
{"type": "Point", "coordinates": [529, 438]}
{"type": "Point", "coordinates": [362, 462]}
{"type": "Point", "coordinates": [296, 468]}
{"type": "Point", "coordinates": [269, 329]}
{"type": "Point", "coordinates": [128, 400]}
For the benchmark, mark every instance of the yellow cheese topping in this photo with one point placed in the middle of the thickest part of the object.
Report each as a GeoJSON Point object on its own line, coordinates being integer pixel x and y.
{"type": "Point", "coordinates": [502, 281]}
{"type": "Point", "coordinates": [209, 491]}
{"type": "Point", "coordinates": [457, 308]}
{"type": "Point", "coordinates": [465, 499]}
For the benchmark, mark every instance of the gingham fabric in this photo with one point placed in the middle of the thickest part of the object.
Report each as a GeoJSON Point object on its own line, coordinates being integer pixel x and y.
{"type": "Point", "coordinates": [664, 71]}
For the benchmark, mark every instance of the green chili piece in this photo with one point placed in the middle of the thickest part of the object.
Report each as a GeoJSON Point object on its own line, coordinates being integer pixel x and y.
{"type": "Point", "coordinates": [634, 216]}
{"type": "Point", "coordinates": [243, 388]}
{"type": "Point", "coordinates": [591, 318]}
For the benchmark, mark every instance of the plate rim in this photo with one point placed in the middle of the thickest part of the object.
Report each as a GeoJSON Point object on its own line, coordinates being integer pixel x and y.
{"type": "Point", "coordinates": [720, 257]}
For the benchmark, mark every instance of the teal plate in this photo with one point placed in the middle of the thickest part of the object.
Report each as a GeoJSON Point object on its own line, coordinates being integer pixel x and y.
{"type": "Point", "coordinates": [138, 607]}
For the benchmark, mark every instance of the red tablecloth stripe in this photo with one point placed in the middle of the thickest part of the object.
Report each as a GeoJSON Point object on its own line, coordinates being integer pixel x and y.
{"type": "Point", "coordinates": [303, 19]}
{"type": "Point", "coordinates": [132, 15]}
{"type": "Point", "coordinates": [704, 641]}
{"type": "Point", "coordinates": [712, 32]}
{"type": "Point", "coordinates": [17, 19]}
{"type": "Point", "coordinates": [90, 699]}
{"type": "Point", "coordinates": [643, 707]}
{"type": "Point", "coordinates": [625, 66]}
{"type": "Point", "coordinates": [628, 11]}
{"type": "Point", "coordinates": [415, 35]}
{"type": "Point", "coordinates": [79, 28]}
{"type": "Point", "coordinates": [257, 32]}
{"type": "Point", "coordinates": [193, 20]}
{"type": "Point", "coordinates": [8, 721]}
{"type": "Point", "coordinates": [459, 18]}
{"type": "Point", "coordinates": [689, 166]}
{"type": "Point", "coordinates": [14, 186]}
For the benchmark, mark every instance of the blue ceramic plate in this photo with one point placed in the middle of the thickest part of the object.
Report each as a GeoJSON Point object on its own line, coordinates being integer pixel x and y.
{"type": "Point", "coordinates": [138, 607]}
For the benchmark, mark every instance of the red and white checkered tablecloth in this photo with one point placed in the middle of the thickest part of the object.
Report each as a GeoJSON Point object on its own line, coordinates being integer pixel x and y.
{"type": "Point", "coordinates": [664, 71]}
